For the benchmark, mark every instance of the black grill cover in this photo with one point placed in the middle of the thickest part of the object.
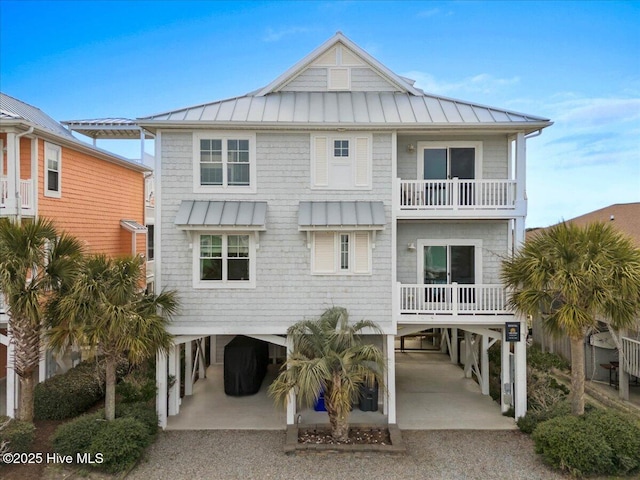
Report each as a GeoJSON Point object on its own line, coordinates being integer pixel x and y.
{"type": "Point", "coordinates": [245, 365]}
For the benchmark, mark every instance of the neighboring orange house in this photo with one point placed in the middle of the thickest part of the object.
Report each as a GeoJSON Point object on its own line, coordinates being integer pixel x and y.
{"type": "Point", "coordinates": [92, 194]}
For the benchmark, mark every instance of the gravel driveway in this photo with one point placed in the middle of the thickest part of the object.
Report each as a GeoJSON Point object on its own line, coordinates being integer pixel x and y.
{"type": "Point", "coordinates": [438, 455]}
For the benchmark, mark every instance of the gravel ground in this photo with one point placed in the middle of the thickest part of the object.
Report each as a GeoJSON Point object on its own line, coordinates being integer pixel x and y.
{"type": "Point", "coordinates": [438, 455]}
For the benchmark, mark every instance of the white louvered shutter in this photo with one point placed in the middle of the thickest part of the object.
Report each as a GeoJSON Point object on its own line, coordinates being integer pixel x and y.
{"type": "Point", "coordinates": [362, 161]}
{"type": "Point", "coordinates": [324, 252]}
{"type": "Point", "coordinates": [362, 253]}
{"type": "Point", "coordinates": [320, 162]}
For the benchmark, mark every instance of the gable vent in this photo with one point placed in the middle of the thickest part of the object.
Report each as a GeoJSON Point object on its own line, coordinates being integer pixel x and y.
{"type": "Point", "coordinates": [339, 79]}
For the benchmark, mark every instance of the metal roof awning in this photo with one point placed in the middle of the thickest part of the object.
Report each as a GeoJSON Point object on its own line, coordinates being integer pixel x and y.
{"type": "Point", "coordinates": [221, 215]}
{"type": "Point", "coordinates": [325, 215]}
{"type": "Point", "coordinates": [108, 128]}
{"type": "Point", "coordinates": [132, 226]}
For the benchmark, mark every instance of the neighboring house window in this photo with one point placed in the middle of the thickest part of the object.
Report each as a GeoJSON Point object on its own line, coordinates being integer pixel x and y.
{"type": "Point", "coordinates": [341, 163]}
{"type": "Point", "coordinates": [341, 253]}
{"type": "Point", "coordinates": [224, 162]}
{"type": "Point", "coordinates": [53, 170]}
{"type": "Point", "coordinates": [150, 242]}
{"type": "Point", "coordinates": [224, 260]}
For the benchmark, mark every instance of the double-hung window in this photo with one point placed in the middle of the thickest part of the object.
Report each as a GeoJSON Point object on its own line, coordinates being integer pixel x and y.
{"type": "Point", "coordinates": [225, 260]}
{"type": "Point", "coordinates": [224, 162]}
{"type": "Point", "coordinates": [341, 162]}
{"type": "Point", "coordinates": [53, 170]}
{"type": "Point", "coordinates": [341, 253]}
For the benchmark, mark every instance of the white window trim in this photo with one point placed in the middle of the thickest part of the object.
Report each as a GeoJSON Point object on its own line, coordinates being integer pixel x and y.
{"type": "Point", "coordinates": [337, 271]}
{"type": "Point", "coordinates": [226, 284]}
{"type": "Point", "coordinates": [447, 242]}
{"type": "Point", "coordinates": [47, 192]}
{"type": "Point", "coordinates": [453, 144]}
{"type": "Point", "coordinates": [352, 152]}
{"type": "Point", "coordinates": [224, 136]}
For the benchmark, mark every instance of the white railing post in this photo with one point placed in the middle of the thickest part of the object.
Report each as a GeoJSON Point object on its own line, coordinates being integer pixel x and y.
{"type": "Point", "coordinates": [454, 299]}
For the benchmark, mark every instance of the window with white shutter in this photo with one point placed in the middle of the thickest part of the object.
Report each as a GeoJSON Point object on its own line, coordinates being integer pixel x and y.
{"type": "Point", "coordinates": [341, 253]}
{"type": "Point", "coordinates": [341, 162]}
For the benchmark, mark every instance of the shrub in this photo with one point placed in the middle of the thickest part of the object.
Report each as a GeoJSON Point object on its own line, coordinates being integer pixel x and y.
{"type": "Point", "coordinates": [18, 435]}
{"type": "Point", "coordinates": [76, 436]}
{"type": "Point", "coordinates": [120, 442]}
{"type": "Point", "coordinates": [573, 444]}
{"type": "Point", "coordinates": [545, 361]}
{"type": "Point", "coordinates": [142, 412]}
{"type": "Point", "coordinates": [71, 393]}
{"type": "Point", "coordinates": [136, 387]}
{"type": "Point", "coordinates": [622, 433]}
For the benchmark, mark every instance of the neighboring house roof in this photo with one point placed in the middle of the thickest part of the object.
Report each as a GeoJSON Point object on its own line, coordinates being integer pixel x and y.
{"type": "Point", "coordinates": [14, 112]}
{"type": "Point", "coordinates": [107, 128]}
{"type": "Point", "coordinates": [340, 214]}
{"type": "Point", "coordinates": [625, 217]}
{"type": "Point", "coordinates": [400, 105]}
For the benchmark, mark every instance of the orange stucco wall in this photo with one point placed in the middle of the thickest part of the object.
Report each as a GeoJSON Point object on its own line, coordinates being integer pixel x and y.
{"type": "Point", "coordinates": [96, 195]}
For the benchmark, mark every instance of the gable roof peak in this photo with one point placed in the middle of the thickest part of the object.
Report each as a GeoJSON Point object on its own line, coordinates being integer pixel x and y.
{"type": "Point", "coordinates": [339, 38]}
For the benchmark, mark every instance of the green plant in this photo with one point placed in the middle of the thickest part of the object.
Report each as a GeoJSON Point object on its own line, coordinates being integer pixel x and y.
{"type": "Point", "coordinates": [622, 433]}
{"type": "Point", "coordinates": [18, 435]}
{"type": "Point", "coordinates": [120, 442]}
{"type": "Point", "coordinates": [143, 412]}
{"type": "Point", "coordinates": [76, 436]}
{"type": "Point", "coordinates": [71, 393]}
{"type": "Point", "coordinates": [135, 387]}
{"type": "Point", "coordinates": [573, 444]}
{"type": "Point", "coordinates": [545, 361]}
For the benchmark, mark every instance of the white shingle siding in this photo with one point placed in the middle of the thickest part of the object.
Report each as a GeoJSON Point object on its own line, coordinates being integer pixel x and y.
{"type": "Point", "coordinates": [285, 292]}
{"type": "Point", "coordinates": [366, 80]}
{"type": "Point", "coordinates": [311, 80]}
{"type": "Point", "coordinates": [494, 236]}
{"type": "Point", "coordinates": [494, 154]}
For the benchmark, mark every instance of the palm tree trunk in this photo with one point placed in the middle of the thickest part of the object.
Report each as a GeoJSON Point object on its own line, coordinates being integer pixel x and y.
{"type": "Point", "coordinates": [110, 389]}
{"type": "Point", "coordinates": [25, 412]}
{"type": "Point", "coordinates": [577, 375]}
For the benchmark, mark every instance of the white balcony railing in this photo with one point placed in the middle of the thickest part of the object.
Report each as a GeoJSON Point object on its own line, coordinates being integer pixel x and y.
{"type": "Point", "coordinates": [631, 352]}
{"type": "Point", "coordinates": [457, 194]}
{"type": "Point", "coordinates": [26, 193]}
{"type": "Point", "coordinates": [453, 299]}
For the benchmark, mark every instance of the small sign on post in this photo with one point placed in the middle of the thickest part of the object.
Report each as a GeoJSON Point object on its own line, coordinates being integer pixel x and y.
{"type": "Point", "coordinates": [512, 331]}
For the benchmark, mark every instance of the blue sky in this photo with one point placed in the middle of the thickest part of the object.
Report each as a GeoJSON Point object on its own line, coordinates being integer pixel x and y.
{"type": "Point", "coordinates": [577, 63]}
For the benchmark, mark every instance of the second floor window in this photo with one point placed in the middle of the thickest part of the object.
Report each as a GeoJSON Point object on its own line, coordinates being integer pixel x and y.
{"type": "Point", "coordinates": [52, 165]}
{"type": "Point", "coordinates": [224, 162]}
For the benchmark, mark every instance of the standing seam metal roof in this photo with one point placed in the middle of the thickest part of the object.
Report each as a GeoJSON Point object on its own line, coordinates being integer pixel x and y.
{"type": "Point", "coordinates": [222, 214]}
{"type": "Point", "coordinates": [331, 214]}
{"type": "Point", "coordinates": [14, 109]}
{"type": "Point", "coordinates": [345, 107]}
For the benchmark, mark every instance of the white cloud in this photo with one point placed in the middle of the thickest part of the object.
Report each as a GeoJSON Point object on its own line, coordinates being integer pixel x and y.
{"type": "Point", "coordinates": [275, 35]}
{"type": "Point", "coordinates": [483, 83]}
{"type": "Point", "coordinates": [428, 13]}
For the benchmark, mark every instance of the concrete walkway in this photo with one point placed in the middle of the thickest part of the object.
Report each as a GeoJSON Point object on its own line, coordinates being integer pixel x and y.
{"type": "Point", "coordinates": [431, 394]}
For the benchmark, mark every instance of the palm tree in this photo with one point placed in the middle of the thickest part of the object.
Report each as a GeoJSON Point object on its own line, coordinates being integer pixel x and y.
{"type": "Point", "coordinates": [107, 310]}
{"type": "Point", "coordinates": [35, 262]}
{"type": "Point", "coordinates": [575, 277]}
{"type": "Point", "coordinates": [329, 356]}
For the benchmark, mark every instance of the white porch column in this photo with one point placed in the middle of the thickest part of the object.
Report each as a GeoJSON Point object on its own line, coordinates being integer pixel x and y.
{"type": "Point", "coordinates": [202, 368]}
{"type": "Point", "coordinates": [13, 173]}
{"type": "Point", "coordinates": [161, 383]}
{"type": "Point", "coordinates": [521, 172]}
{"type": "Point", "coordinates": [390, 352]}
{"type": "Point", "coordinates": [291, 401]}
{"type": "Point", "coordinates": [506, 395]}
{"type": "Point", "coordinates": [468, 355]}
{"type": "Point", "coordinates": [174, 371]}
{"type": "Point", "coordinates": [42, 365]}
{"type": "Point", "coordinates": [213, 349]}
{"type": "Point", "coordinates": [453, 354]}
{"type": "Point", "coordinates": [623, 375]}
{"type": "Point", "coordinates": [188, 368]}
{"type": "Point", "coordinates": [12, 384]}
{"type": "Point", "coordinates": [484, 364]}
{"type": "Point", "coordinates": [520, 380]}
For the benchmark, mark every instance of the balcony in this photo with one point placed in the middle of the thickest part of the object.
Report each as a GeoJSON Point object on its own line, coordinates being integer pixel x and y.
{"type": "Point", "coordinates": [26, 193]}
{"type": "Point", "coordinates": [457, 198]}
{"type": "Point", "coordinates": [451, 302]}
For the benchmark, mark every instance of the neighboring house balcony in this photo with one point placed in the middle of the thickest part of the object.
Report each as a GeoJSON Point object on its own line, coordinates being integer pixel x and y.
{"type": "Point", "coordinates": [149, 200]}
{"type": "Point", "coordinates": [457, 198]}
{"type": "Point", "coordinates": [26, 191]}
{"type": "Point", "coordinates": [451, 304]}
